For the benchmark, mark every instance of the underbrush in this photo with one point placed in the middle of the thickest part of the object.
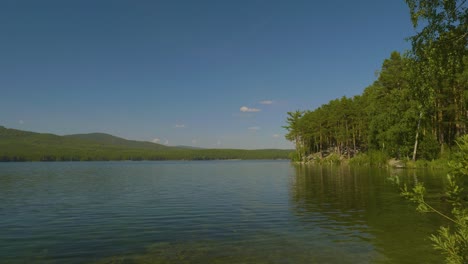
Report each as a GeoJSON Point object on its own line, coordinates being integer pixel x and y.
{"type": "Point", "coordinates": [371, 158]}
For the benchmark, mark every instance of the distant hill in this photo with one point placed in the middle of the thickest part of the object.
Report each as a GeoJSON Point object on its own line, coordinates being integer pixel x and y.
{"type": "Point", "coordinates": [106, 139]}
{"type": "Point", "coordinates": [18, 145]}
{"type": "Point", "coordinates": [187, 147]}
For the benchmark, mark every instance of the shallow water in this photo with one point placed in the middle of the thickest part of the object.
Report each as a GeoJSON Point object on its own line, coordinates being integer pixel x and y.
{"type": "Point", "coordinates": [211, 212]}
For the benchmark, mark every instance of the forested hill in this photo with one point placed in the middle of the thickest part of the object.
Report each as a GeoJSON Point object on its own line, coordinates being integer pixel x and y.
{"type": "Point", "coordinates": [18, 145]}
{"type": "Point", "coordinates": [106, 139]}
{"type": "Point", "coordinates": [416, 108]}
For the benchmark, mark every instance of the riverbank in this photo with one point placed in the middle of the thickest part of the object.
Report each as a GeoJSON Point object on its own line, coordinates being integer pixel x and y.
{"type": "Point", "coordinates": [375, 159]}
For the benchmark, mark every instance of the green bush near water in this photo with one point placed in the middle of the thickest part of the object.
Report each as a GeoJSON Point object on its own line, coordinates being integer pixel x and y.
{"type": "Point", "coordinates": [373, 158]}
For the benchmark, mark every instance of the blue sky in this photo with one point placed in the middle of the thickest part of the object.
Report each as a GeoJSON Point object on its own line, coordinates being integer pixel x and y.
{"type": "Point", "coordinates": [217, 74]}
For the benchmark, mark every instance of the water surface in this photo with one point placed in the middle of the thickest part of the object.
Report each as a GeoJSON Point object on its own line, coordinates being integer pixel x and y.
{"type": "Point", "coordinates": [210, 212]}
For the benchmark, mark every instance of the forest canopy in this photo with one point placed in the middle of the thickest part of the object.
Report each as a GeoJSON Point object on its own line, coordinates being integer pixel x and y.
{"type": "Point", "coordinates": [415, 109]}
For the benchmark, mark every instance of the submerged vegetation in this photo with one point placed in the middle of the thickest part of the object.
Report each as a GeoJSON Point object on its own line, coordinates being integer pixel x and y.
{"type": "Point", "coordinates": [17, 145]}
{"type": "Point", "coordinates": [248, 251]}
{"type": "Point", "coordinates": [415, 109]}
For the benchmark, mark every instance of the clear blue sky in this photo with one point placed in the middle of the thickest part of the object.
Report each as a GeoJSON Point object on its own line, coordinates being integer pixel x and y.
{"type": "Point", "coordinates": [180, 72]}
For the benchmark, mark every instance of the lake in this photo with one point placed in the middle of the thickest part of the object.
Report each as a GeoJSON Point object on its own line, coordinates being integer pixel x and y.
{"type": "Point", "coordinates": [211, 212]}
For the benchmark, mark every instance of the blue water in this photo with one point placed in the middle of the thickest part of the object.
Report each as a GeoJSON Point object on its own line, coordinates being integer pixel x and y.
{"type": "Point", "coordinates": [209, 212]}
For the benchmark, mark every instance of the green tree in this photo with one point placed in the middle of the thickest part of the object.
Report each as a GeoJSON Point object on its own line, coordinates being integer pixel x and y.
{"type": "Point", "coordinates": [392, 108]}
{"type": "Point", "coordinates": [295, 132]}
{"type": "Point", "coordinates": [439, 50]}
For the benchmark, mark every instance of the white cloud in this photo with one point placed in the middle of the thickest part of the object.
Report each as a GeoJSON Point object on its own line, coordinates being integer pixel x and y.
{"type": "Point", "coordinates": [194, 141]}
{"type": "Point", "coordinates": [249, 110]}
{"type": "Point", "coordinates": [266, 102]}
{"type": "Point", "coordinates": [218, 143]}
{"type": "Point", "coordinates": [276, 135]}
{"type": "Point", "coordinates": [179, 126]}
{"type": "Point", "coordinates": [254, 128]}
{"type": "Point", "coordinates": [156, 140]}
{"type": "Point", "coordinates": [166, 142]}
{"type": "Point", "coordinates": [21, 122]}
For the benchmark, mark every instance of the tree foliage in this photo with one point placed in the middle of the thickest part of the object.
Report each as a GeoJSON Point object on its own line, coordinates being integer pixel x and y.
{"type": "Point", "coordinates": [417, 106]}
{"type": "Point", "coordinates": [383, 118]}
{"type": "Point", "coordinates": [439, 50]}
{"type": "Point", "coordinates": [443, 21]}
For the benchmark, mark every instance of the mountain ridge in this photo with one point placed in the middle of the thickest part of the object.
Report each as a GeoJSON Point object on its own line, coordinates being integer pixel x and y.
{"type": "Point", "coordinates": [19, 145]}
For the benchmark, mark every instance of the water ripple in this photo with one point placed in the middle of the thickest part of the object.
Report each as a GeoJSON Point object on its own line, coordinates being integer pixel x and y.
{"type": "Point", "coordinates": [198, 212]}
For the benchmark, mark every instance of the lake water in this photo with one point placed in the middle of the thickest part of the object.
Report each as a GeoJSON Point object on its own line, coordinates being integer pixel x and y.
{"type": "Point", "coordinates": [210, 212]}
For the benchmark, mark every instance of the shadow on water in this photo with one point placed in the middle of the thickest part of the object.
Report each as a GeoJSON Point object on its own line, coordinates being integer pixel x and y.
{"type": "Point", "coordinates": [363, 205]}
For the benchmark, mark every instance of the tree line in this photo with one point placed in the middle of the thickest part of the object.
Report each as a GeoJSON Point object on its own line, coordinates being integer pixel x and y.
{"type": "Point", "coordinates": [17, 145]}
{"type": "Point", "coordinates": [415, 109]}
{"type": "Point", "coordinates": [140, 155]}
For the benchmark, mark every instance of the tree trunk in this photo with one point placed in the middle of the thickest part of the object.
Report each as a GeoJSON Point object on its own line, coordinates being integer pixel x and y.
{"type": "Point", "coordinates": [347, 140]}
{"type": "Point", "coordinates": [354, 143]}
{"type": "Point", "coordinates": [417, 136]}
